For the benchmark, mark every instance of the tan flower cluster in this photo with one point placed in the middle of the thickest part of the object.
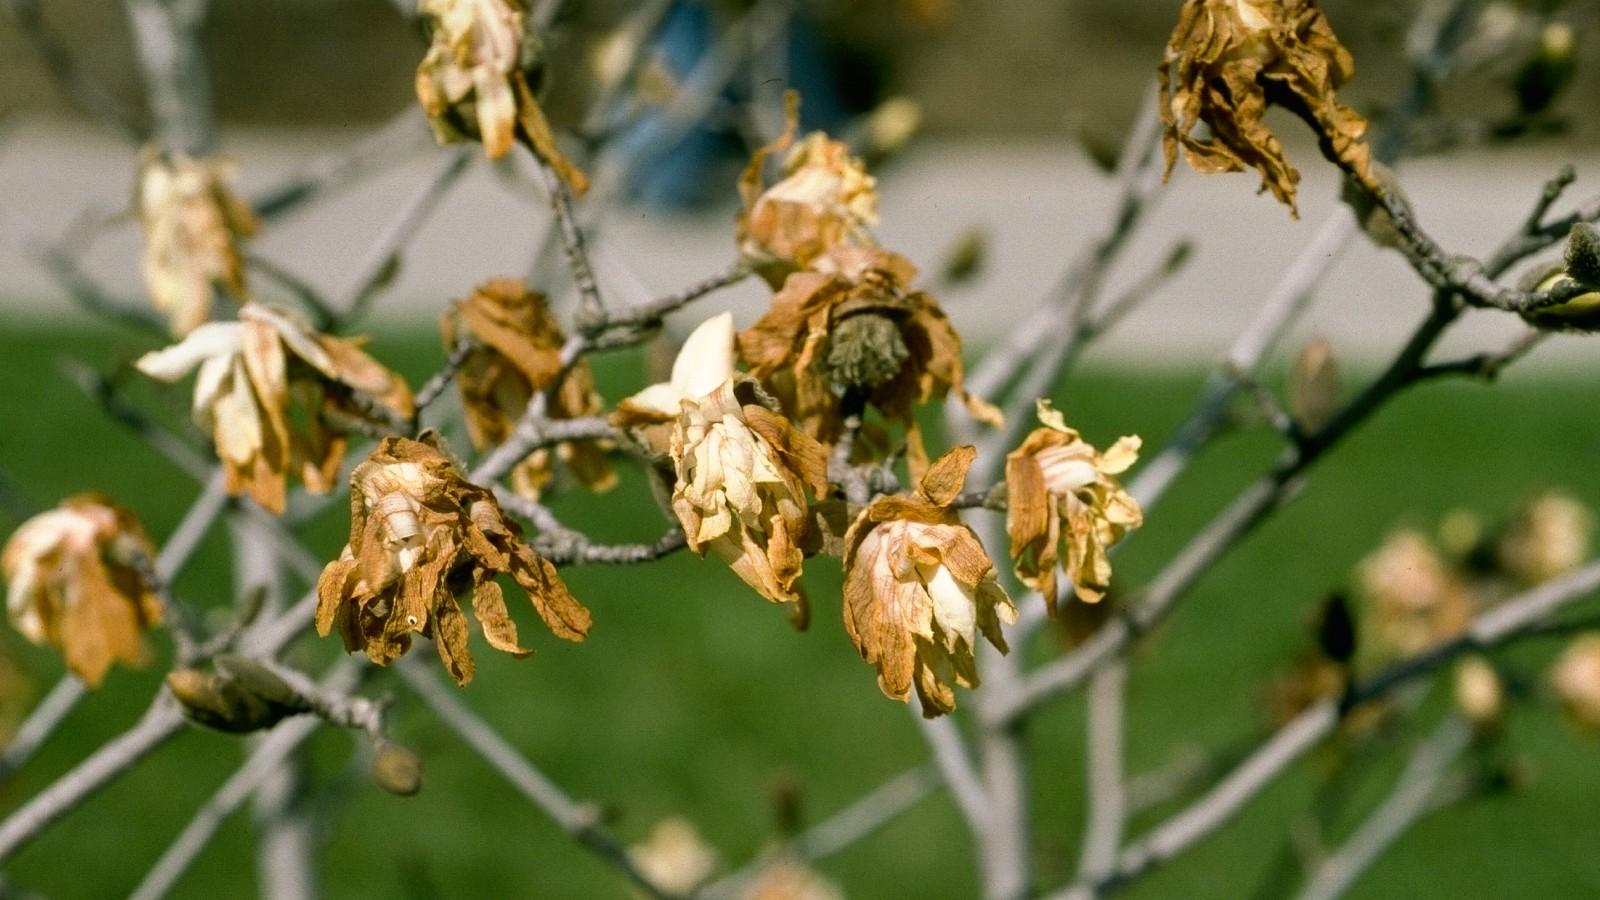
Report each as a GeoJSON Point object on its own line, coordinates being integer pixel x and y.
{"type": "Point", "coordinates": [787, 878]}
{"type": "Point", "coordinates": [518, 354]}
{"type": "Point", "coordinates": [1061, 490]}
{"type": "Point", "coordinates": [192, 223]}
{"type": "Point", "coordinates": [675, 857]}
{"type": "Point", "coordinates": [74, 581]}
{"type": "Point", "coordinates": [1576, 680]}
{"type": "Point", "coordinates": [1547, 538]}
{"type": "Point", "coordinates": [919, 589]}
{"type": "Point", "coordinates": [1228, 60]}
{"type": "Point", "coordinates": [1416, 602]}
{"type": "Point", "coordinates": [267, 386]}
{"type": "Point", "coordinates": [472, 82]}
{"type": "Point", "coordinates": [420, 535]}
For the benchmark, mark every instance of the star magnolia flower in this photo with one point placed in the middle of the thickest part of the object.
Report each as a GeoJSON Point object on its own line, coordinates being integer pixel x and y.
{"type": "Point", "coordinates": [192, 224]}
{"type": "Point", "coordinates": [1228, 60]}
{"type": "Point", "coordinates": [828, 336]}
{"type": "Point", "coordinates": [704, 364]}
{"type": "Point", "coordinates": [471, 83]}
{"type": "Point", "coordinates": [420, 534]}
{"type": "Point", "coordinates": [74, 582]}
{"type": "Point", "coordinates": [264, 385]}
{"type": "Point", "coordinates": [518, 353]}
{"type": "Point", "coordinates": [1576, 680]}
{"type": "Point", "coordinates": [1416, 601]}
{"type": "Point", "coordinates": [919, 589]}
{"type": "Point", "coordinates": [1547, 538]}
{"type": "Point", "coordinates": [1060, 489]}
{"type": "Point", "coordinates": [825, 200]}
{"type": "Point", "coordinates": [740, 468]}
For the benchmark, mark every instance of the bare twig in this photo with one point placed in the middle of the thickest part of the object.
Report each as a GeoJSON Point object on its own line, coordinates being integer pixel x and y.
{"type": "Point", "coordinates": [1108, 796]}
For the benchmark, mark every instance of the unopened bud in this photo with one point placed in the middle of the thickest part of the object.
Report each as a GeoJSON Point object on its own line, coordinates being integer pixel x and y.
{"type": "Point", "coordinates": [966, 258]}
{"type": "Point", "coordinates": [397, 769]}
{"type": "Point", "coordinates": [1478, 694]}
{"type": "Point", "coordinates": [891, 126]}
{"type": "Point", "coordinates": [216, 701]}
{"type": "Point", "coordinates": [865, 351]}
{"type": "Point", "coordinates": [1314, 385]}
{"type": "Point", "coordinates": [1583, 254]}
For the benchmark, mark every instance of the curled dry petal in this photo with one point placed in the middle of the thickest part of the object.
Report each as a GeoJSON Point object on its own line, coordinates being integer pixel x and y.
{"type": "Point", "coordinates": [74, 582]}
{"type": "Point", "coordinates": [1060, 491]}
{"type": "Point", "coordinates": [919, 590]}
{"type": "Point", "coordinates": [472, 82]}
{"type": "Point", "coordinates": [1228, 60]}
{"type": "Point", "coordinates": [1414, 600]}
{"type": "Point", "coordinates": [741, 472]}
{"type": "Point", "coordinates": [518, 354]}
{"type": "Point", "coordinates": [265, 389]}
{"type": "Point", "coordinates": [421, 535]}
{"type": "Point", "coordinates": [192, 222]}
{"type": "Point", "coordinates": [827, 336]}
{"type": "Point", "coordinates": [704, 364]}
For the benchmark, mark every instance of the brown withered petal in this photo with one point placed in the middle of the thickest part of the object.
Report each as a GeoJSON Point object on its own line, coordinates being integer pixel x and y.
{"type": "Point", "coordinates": [518, 354]}
{"type": "Point", "coordinates": [192, 223]}
{"type": "Point", "coordinates": [1061, 491]}
{"type": "Point", "coordinates": [471, 83]}
{"type": "Point", "coordinates": [420, 536]}
{"type": "Point", "coordinates": [1228, 60]}
{"type": "Point", "coordinates": [74, 582]}
{"type": "Point", "coordinates": [919, 590]}
{"type": "Point", "coordinates": [826, 335]}
{"type": "Point", "coordinates": [741, 473]}
{"type": "Point", "coordinates": [266, 389]}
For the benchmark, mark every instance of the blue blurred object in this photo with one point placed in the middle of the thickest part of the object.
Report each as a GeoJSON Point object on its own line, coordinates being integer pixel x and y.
{"type": "Point", "coordinates": [670, 169]}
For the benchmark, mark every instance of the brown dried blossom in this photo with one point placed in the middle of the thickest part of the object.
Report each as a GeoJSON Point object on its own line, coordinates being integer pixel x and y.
{"type": "Point", "coordinates": [1228, 60]}
{"type": "Point", "coordinates": [75, 581]}
{"type": "Point", "coordinates": [919, 589]}
{"type": "Point", "coordinates": [1415, 601]}
{"type": "Point", "coordinates": [473, 82]}
{"type": "Point", "coordinates": [518, 354]}
{"type": "Point", "coordinates": [828, 337]}
{"type": "Point", "coordinates": [704, 363]}
{"type": "Point", "coordinates": [824, 201]}
{"type": "Point", "coordinates": [192, 223]}
{"type": "Point", "coordinates": [271, 391]}
{"type": "Point", "coordinates": [420, 536]}
{"type": "Point", "coordinates": [1061, 490]}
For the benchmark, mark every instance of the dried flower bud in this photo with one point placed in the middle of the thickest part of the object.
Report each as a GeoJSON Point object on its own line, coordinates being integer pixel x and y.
{"type": "Point", "coordinates": [518, 353]}
{"type": "Point", "coordinates": [1548, 537]}
{"type": "Point", "coordinates": [241, 697]}
{"type": "Point", "coordinates": [474, 81]}
{"type": "Point", "coordinates": [1062, 491]}
{"type": "Point", "coordinates": [1314, 385]}
{"type": "Point", "coordinates": [865, 352]}
{"type": "Point", "coordinates": [1478, 694]}
{"type": "Point", "coordinates": [1583, 254]}
{"type": "Point", "coordinates": [1581, 313]}
{"type": "Point", "coordinates": [1228, 60]}
{"type": "Point", "coordinates": [75, 581]}
{"type": "Point", "coordinates": [919, 590]}
{"type": "Point", "coordinates": [1576, 680]}
{"type": "Point", "coordinates": [192, 224]}
{"type": "Point", "coordinates": [397, 769]}
{"type": "Point", "coordinates": [675, 857]}
{"type": "Point", "coordinates": [266, 389]}
{"type": "Point", "coordinates": [420, 534]}
{"type": "Point", "coordinates": [1415, 602]}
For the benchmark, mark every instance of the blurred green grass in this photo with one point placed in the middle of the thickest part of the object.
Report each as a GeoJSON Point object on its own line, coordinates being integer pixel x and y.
{"type": "Point", "coordinates": [694, 698]}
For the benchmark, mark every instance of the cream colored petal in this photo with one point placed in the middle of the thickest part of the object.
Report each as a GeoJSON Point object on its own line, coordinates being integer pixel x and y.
{"type": "Point", "coordinates": [237, 420]}
{"type": "Point", "coordinates": [1122, 455]}
{"type": "Point", "coordinates": [706, 360]}
{"type": "Point", "coordinates": [211, 340]}
{"type": "Point", "coordinates": [954, 604]}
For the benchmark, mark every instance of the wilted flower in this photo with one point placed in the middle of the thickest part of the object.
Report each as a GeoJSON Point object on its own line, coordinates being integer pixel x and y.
{"type": "Point", "coordinates": [704, 364]}
{"type": "Point", "coordinates": [1415, 600]}
{"type": "Point", "coordinates": [828, 336]}
{"type": "Point", "coordinates": [266, 388]}
{"type": "Point", "coordinates": [787, 878]}
{"type": "Point", "coordinates": [518, 353]}
{"type": "Point", "coordinates": [825, 200]}
{"type": "Point", "coordinates": [1548, 537]}
{"type": "Point", "coordinates": [473, 81]}
{"type": "Point", "coordinates": [1576, 679]}
{"type": "Point", "coordinates": [192, 224]}
{"type": "Point", "coordinates": [1479, 696]}
{"type": "Point", "coordinates": [919, 589]}
{"type": "Point", "coordinates": [74, 579]}
{"type": "Point", "coordinates": [420, 535]}
{"type": "Point", "coordinates": [739, 491]}
{"type": "Point", "coordinates": [1060, 489]}
{"type": "Point", "coordinates": [1228, 60]}
{"type": "Point", "coordinates": [675, 857]}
